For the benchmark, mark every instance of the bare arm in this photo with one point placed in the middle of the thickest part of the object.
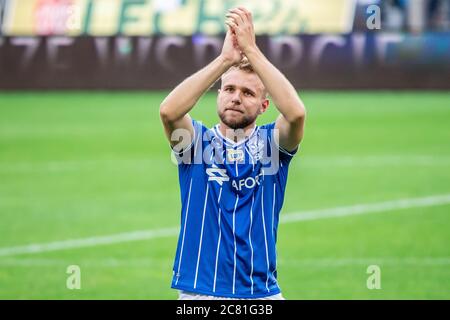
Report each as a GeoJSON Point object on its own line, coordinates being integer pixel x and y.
{"type": "Point", "coordinates": [291, 121]}
{"type": "Point", "coordinates": [175, 107]}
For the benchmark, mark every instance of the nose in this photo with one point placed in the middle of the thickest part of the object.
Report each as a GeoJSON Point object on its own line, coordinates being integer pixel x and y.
{"type": "Point", "coordinates": [236, 99]}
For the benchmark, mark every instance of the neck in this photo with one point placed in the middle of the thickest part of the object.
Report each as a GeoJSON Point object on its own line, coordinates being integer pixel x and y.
{"type": "Point", "coordinates": [236, 135]}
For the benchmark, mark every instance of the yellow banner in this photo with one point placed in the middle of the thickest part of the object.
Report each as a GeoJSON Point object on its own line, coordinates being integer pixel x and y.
{"type": "Point", "coordinates": [172, 17]}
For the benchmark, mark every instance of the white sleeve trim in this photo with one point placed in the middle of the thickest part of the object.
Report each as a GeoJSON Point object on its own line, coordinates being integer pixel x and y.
{"type": "Point", "coordinates": [280, 148]}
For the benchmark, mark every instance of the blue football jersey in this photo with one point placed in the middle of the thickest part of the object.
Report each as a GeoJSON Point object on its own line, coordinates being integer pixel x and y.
{"type": "Point", "coordinates": [231, 195]}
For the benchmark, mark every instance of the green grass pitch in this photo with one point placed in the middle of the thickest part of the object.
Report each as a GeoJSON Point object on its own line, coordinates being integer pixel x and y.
{"type": "Point", "coordinates": [75, 165]}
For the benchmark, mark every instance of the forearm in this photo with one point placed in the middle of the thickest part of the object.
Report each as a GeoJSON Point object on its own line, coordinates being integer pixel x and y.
{"type": "Point", "coordinates": [278, 86]}
{"type": "Point", "coordinates": [183, 98]}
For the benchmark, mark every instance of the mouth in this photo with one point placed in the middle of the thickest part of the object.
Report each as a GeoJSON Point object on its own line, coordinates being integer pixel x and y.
{"type": "Point", "coordinates": [234, 110]}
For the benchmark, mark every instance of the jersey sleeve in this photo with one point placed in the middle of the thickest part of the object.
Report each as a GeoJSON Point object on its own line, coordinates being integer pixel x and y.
{"type": "Point", "coordinates": [278, 166]}
{"type": "Point", "coordinates": [188, 154]}
{"type": "Point", "coordinates": [285, 156]}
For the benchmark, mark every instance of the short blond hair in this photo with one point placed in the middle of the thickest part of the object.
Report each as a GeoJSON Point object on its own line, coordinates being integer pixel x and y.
{"type": "Point", "coordinates": [245, 65]}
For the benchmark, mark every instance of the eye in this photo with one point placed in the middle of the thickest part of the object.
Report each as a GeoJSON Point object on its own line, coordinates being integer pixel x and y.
{"type": "Point", "coordinates": [249, 94]}
{"type": "Point", "coordinates": [229, 89]}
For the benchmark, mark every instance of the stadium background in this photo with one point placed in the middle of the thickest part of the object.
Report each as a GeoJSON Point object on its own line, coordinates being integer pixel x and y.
{"type": "Point", "coordinates": [85, 172]}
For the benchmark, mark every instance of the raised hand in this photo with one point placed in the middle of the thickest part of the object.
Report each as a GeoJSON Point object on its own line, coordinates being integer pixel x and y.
{"type": "Point", "coordinates": [240, 21]}
{"type": "Point", "coordinates": [231, 51]}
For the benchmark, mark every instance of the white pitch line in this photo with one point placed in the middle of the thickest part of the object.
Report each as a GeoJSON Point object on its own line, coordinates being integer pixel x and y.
{"type": "Point", "coordinates": [89, 242]}
{"type": "Point", "coordinates": [441, 261]}
{"type": "Point", "coordinates": [367, 208]}
{"type": "Point", "coordinates": [358, 209]}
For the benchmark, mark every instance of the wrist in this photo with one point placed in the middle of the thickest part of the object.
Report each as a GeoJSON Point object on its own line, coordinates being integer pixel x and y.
{"type": "Point", "coordinates": [225, 61]}
{"type": "Point", "coordinates": [252, 50]}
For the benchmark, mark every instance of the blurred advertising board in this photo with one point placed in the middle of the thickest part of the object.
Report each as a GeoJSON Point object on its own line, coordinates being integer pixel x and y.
{"type": "Point", "coordinates": [348, 61]}
{"type": "Point", "coordinates": [171, 17]}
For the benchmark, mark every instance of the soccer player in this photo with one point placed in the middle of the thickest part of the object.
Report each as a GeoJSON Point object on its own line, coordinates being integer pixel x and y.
{"type": "Point", "coordinates": [233, 176]}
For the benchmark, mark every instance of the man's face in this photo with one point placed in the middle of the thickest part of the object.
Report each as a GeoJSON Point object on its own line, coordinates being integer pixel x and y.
{"type": "Point", "coordinates": [241, 99]}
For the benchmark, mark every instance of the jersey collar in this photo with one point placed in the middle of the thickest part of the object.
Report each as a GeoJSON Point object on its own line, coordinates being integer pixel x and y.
{"type": "Point", "coordinates": [231, 142]}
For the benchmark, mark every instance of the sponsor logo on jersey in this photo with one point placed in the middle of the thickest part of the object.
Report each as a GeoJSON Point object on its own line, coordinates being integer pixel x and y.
{"type": "Point", "coordinates": [216, 174]}
{"type": "Point", "coordinates": [248, 183]}
{"type": "Point", "coordinates": [220, 176]}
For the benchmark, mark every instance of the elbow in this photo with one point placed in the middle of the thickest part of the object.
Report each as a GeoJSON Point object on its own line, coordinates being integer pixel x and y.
{"type": "Point", "coordinates": [165, 114]}
{"type": "Point", "coordinates": [298, 114]}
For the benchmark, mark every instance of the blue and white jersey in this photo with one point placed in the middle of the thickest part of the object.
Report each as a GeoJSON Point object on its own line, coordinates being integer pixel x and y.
{"type": "Point", "coordinates": [231, 194]}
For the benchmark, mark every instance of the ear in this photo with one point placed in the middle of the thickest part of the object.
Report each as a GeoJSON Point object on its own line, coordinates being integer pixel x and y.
{"type": "Point", "coordinates": [264, 106]}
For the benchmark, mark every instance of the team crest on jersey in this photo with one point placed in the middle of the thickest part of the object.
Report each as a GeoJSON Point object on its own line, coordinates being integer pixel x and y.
{"type": "Point", "coordinates": [256, 147]}
{"type": "Point", "coordinates": [235, 155]}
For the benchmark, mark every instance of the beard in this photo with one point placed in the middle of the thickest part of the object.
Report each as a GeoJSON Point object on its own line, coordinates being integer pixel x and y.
{"type": "Point", "coordinates": [237, 122]}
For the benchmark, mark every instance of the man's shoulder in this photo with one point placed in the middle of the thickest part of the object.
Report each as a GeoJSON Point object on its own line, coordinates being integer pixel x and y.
{"type": "Point", "coordinates": [267, 126]}
{"type": "Point", "coordinates": [199, 124]}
